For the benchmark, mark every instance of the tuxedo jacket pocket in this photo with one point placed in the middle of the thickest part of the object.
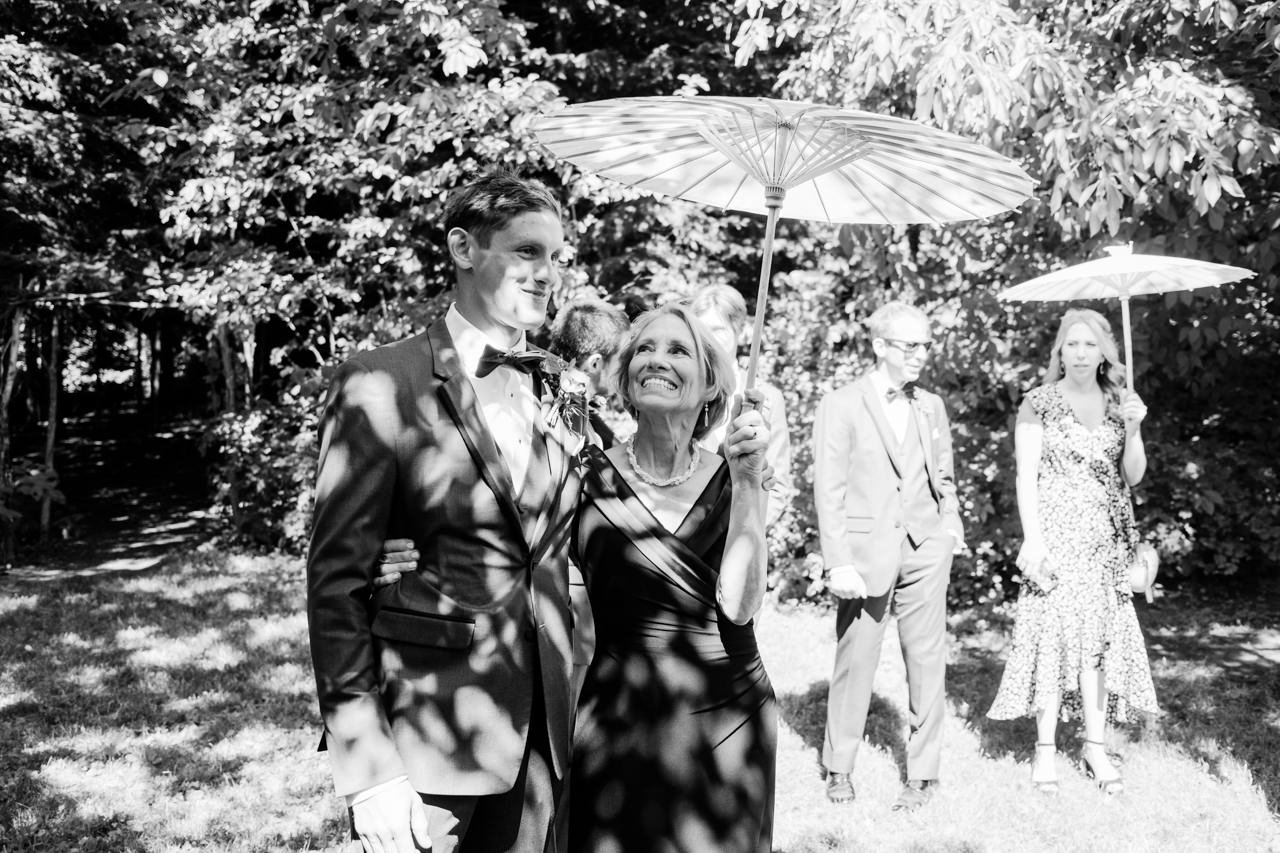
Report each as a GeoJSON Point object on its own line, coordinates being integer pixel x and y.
{"type": "Point", "coordinates": [423, 629]}
{"type": "Point", "coordinates": [858, 523]}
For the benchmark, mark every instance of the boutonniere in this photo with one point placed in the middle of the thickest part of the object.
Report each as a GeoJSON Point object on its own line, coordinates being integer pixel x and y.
{"type": "Point", "coordinates": [564, 396]}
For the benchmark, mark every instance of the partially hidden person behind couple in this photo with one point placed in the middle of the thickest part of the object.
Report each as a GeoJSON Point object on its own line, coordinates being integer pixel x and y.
{"type": "Point", "coordinates": [446, 695]}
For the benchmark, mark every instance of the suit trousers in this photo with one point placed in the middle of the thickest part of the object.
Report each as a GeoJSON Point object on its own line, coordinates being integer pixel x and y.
{"type": "Point", "coordinates": [517, 821]}
{"type": "Point", "coordinates": [919, 599]}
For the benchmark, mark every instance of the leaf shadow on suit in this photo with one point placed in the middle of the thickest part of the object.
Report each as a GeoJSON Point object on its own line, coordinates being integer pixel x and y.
{"type": "Point", "coordinates": [434, 676]}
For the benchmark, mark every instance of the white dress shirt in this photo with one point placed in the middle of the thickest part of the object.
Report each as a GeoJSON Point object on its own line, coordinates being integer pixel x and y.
{"type": "Point", "coordinates": [897, 411]}
{"type": "Point", "coordinates": [507, 401]}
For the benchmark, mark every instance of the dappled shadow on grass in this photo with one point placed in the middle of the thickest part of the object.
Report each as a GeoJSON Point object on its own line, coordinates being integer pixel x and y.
{"type": "Point", "coordinates": [822, 842]}
{"type": "Point", "coordinates": [973, 677]}
{"type": "Point", "coordinates": [1218, 683]}
{"type": "Point", "coordinates": [128, 692]}
{"type": "Point", "coordinates": [806, 714]}
{"type": "Point", "coordinates": [972, 681]}
{"type": "Point", "coordinates": [33, 819]}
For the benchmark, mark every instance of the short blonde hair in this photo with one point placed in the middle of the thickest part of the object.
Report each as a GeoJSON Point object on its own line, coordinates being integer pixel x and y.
{"type": "Point", "coordinates": [881, 321]}
{"type": "Point", "coordinates": [717, 366]}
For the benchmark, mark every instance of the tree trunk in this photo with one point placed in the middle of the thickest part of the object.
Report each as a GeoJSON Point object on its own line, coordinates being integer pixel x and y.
{"type": "Point", "coordinates": [248, 348]}
{"type": "Point", "coordinates": [141, 368]}
{"type": "Point", "coordinates": [227, 351]}
{"type": "Point", "coordinates": [168, 338]}
{"type": "Point", "coordinates": [226, 347]}
{"type": "Point", "coordinates": [29, 388]}
{"type": "Point", "coordinates": [10, 357]}
{"type": "Point", "coordinates": [153, 376]}
{"type": "Point", "coordinates": [50, 437]}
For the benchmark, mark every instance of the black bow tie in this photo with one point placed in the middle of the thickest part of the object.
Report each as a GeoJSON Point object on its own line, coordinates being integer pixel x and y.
{"type": "Point", "coordinates": [907, 391]}
{"type": "Point", "coordinates": [525, 362]}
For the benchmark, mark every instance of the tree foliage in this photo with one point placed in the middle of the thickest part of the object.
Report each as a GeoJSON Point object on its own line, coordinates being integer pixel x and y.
{"type": "Point", "coordinates": [275, 170]}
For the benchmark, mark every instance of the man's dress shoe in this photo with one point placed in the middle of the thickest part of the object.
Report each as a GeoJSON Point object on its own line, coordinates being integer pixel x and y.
{"type": "Point", "coordinates": [839, 788]}
{"type": "Point", "coordinates": [915, 794]}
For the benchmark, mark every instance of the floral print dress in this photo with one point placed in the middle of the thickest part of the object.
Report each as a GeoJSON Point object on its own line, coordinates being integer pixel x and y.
{"type": "Point", "coordinates": [1087, 619]}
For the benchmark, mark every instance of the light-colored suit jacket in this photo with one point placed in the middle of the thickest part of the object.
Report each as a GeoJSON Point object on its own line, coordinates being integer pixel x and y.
{"type": "Point", "coordinates": [856, 467]}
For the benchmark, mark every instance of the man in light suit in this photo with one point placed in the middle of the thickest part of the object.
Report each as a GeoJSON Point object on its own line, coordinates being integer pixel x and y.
{"type": "Point", "coordinates": [889, 523]}
{"type": "Point", "coordinates": [446, 695]}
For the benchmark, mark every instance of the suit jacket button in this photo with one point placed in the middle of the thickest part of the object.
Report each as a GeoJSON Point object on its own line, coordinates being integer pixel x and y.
{"type": "Point", "coordinates": [897, 524]}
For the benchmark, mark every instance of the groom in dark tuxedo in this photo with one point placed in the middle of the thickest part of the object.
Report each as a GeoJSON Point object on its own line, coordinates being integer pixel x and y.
{"type": "Point", "coordinates": [445, 695]}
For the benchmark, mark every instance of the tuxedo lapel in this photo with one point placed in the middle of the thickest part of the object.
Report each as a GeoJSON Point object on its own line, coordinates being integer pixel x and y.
{"type": "Point", "coordinates": [459, 400]}
{"type": "Point", "coordinates": [558, 458]}
{"type": "Point", "coordinates": [556, 438]}
{"type": "Point", "coordinates": [547, 452]}
{"type": "Point", "coordinates": [924, 426]}
{"type": "Point", "coordinates": [538, 483]}
{"type": "Point", "coordinates": [887, 438]}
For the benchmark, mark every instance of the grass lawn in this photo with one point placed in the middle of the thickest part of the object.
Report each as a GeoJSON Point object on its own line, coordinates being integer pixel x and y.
{"type": "Point", "coordinates": [173, 710]}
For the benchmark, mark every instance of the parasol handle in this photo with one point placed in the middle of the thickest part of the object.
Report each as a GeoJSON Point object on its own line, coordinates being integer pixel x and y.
{"type": "Point", "coordinates": [773, 201]}
{"type": "Point", "coordinates": [1128, 342]}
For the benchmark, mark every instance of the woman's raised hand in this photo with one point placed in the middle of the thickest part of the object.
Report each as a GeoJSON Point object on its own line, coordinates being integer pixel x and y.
{"type": "Point", "coordinates": [747, 438]}
{"type": "Point", "coordinates": [1133, 410]}
{"type": "Point", "coordinates": [398, 555]}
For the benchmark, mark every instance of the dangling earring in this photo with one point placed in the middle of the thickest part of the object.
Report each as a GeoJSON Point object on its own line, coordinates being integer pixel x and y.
{"type": "Point", "coordinates": [706, 414]}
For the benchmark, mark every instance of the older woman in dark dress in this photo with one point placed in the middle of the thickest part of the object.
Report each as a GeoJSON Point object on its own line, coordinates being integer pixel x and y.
{"type": "Point", "coordinates": [676, 734]}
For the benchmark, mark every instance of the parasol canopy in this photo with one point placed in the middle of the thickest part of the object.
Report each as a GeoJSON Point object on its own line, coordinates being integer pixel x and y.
{"type": "Point", "coordinates": [1121, 275]}
{"type": "Point", "coordinates": [785, 158]}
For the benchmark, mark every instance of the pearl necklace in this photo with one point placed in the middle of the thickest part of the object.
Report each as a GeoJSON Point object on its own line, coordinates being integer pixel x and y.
{"type": "Point", "coordinates": [695, 455]}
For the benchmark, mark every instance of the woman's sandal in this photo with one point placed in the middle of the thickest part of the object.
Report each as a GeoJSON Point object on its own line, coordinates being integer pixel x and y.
{"type": "Point", "coordinates": [1045, 786]}
{"type": "Point", "coordinates": [1111, 785]}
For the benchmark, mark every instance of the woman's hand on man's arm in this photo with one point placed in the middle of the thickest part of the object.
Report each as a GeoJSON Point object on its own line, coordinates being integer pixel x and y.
{"type": "Point", "coordinates": [398, 556]}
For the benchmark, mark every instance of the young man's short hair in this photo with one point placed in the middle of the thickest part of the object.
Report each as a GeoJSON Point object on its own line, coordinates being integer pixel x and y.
{"type": "Point", "coordinates": [487, 204]}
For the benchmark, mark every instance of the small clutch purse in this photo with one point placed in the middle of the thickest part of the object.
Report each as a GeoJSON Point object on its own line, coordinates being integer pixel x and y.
{"type": "Point", "coordinates": [1142, 571]}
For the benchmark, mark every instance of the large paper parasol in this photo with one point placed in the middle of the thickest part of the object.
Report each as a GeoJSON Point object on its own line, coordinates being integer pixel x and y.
{"type": "Point", "coordinates": [1121, 275]}
{"type": "Point", "coordinates": [785, 158]}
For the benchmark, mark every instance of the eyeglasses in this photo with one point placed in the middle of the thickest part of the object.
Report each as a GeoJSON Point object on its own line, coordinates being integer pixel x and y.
{"type": "Point", "coordinates": [908, 347]}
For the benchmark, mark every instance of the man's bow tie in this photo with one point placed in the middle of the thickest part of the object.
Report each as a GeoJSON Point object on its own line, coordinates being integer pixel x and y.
{"type": "Point", "coordinates": [907, 391]}
{"type": "Point", "coordinates": [525, 362]}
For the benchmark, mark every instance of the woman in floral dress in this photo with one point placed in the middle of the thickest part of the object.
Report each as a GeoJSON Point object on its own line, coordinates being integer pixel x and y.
{"type": "Point", "coordinates": [1077, 648]}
